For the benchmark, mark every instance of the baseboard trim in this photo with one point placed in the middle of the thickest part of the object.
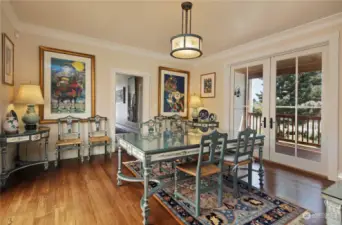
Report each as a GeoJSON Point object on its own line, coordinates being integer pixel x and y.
{"type": "Point", "coordinates": [266, 161]}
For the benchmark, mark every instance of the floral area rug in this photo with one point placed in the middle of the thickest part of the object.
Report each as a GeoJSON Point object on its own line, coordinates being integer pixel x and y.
{"type": "Point", "coordinates": [252, 208]}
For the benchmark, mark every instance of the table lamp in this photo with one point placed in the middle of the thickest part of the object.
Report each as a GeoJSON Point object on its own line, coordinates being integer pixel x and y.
{"type": "Point", "coordinates": [31, 95]}
{"type": "Point", "coordinates": [195, 103]}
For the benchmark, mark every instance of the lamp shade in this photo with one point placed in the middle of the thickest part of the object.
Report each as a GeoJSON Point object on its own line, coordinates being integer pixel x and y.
{"type": "Point", "coordinates": [195, 101]}
{"type": "Point", "coordinates": [29, 94]}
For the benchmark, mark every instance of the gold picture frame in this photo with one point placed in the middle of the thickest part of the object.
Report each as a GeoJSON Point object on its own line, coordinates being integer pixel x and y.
{"type": "Point", "coordinates": [63, 66]}
{"type": "Point", "coordinates": [183, 87]}
{"type": "Point", "coordinates": [7, 60]}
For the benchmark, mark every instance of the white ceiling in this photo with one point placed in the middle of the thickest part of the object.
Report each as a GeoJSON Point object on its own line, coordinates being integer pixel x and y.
{"type": "Point", "coordinates": [149, 25]}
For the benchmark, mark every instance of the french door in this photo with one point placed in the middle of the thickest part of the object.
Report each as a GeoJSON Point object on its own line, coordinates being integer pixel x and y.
{"type": "Point", "coordinates": [297, 119]}
{"type": "Point", "coordinates": [282, 97]}
{"type": "Point", "coordinates": [250, 98]}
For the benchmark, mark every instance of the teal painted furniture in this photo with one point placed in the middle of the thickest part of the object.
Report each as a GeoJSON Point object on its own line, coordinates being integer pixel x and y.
{"type": "Point", "coordinates": [177, 123]}
{"type": "Point", "coordinates": [242, 156]}
{"type": "Point", "coordinates": [205, 167]}
{"type": "Point", "coordinates": [69, 136]}
{"type": "Point", "coordinates": [151, 151]}
{"type": "Point", "coordinates": [98, 134]}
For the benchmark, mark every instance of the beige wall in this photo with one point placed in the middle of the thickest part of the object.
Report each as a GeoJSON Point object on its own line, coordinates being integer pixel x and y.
{"type": "Point", "coordinates": [27, 70]}
{"type": "Point", "coordinates": [221, 67]}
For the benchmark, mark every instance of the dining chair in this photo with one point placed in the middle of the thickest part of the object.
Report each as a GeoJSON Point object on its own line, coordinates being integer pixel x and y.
{"type": "Point", "coordinates": [241, 157]}
{"type": "Point", "coordinates": [69, 136]}
{"type": "Point", "coordinates": [206, 166]}
{"type": "Point", "coordinates": [98, 134]}
{"type": "Point", "coordinates": [177, 123]}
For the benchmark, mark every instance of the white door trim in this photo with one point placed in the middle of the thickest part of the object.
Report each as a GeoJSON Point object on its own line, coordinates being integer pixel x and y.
{"type": "Point", "coordinates": [332, 40]}
{"type": "Point", "coordinates": [146, 94]}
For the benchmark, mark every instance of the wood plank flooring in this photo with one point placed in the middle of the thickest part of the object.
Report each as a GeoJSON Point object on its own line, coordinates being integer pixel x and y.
{"type": "Point", "coordinates": [87, 194]}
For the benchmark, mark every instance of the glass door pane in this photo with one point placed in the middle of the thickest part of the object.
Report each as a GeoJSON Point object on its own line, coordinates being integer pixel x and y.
{"type": "Point", "coordinates": [285, 124]}
{"type": "Point", "coordinates": [309, 107]}
{"type": "Point", "coordinates": [240, 99]}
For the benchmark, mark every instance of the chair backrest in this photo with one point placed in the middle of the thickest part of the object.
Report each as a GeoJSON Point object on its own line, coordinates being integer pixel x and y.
{"type": "Point", "coordinates": [69, 127]}
{"type": "Point", "coordinates": [97, 126]}
{"type": "Point", "coordinates": [152, 126]}
{"type": "Point", "coordinates": [163, 121]}
{"type": "Point", "coordinates": [177, 123]}
{"type": "Point", "coordinates": [216, 142]}
{"type": "Point", "coordinates": [245, 144]}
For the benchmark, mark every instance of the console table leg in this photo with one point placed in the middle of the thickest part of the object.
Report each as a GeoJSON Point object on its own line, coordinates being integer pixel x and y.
{"type": "Point", "coordinates": [46, 164]}
{"type": "Point", "coordinates": [56, 155]}
{"type": "Point", "coordinates": [3, 177]}
{"type": "Point", "coordinates": [119, 166]}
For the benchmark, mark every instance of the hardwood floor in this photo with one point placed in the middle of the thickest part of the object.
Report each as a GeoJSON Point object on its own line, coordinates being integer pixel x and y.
{"type": "Point", "coordinates": [87, 194]}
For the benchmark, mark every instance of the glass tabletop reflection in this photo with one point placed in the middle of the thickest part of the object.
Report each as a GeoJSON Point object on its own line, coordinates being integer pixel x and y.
{"type": "Point", "coordinates": [168, 140]}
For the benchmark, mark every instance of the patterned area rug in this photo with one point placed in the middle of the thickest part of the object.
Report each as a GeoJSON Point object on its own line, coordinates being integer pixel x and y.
{"type": "Point", "coordinates": [255, 208]}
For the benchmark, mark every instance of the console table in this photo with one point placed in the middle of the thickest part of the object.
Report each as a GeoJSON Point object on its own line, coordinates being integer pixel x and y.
{"type": "Point", "coordinates": [333, 203]}
{"type": "Point", "coordinates": [23, 136]}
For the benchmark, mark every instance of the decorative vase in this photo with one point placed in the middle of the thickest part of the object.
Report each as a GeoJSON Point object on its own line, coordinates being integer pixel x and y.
{"type": "Point", "coordinates": [30, 118]}
{"type": "Point", "coordinates": [10, 125]}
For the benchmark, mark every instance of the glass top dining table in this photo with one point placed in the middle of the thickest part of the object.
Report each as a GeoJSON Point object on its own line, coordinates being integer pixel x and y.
{"type": "Point", "coordinates": [168, 146]}
{"type": "Point", "coordinates": [172, 141]}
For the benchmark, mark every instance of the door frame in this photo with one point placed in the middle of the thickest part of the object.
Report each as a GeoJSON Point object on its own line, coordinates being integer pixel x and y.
{"type": "Point", "coordinates": [330, 39]}
{"type": "Point", "coordinates": [293, 161]}
{"type": "Point", "coordinates": [266, 86]}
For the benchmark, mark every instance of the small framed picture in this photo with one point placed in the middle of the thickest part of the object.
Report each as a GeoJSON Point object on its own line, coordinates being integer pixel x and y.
{"type": "Point", "coordinates": [208, 85]}
{"type": "Point", "coordinates": [7, 60]}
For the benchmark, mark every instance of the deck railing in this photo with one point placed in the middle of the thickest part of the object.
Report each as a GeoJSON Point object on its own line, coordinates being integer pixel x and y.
{"type": "Point", "coordinates": [308, 128]}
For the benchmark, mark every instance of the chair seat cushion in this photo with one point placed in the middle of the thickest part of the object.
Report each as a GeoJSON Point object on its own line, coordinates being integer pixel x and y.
{"type": "Point", "coordinates": [65, 142]}
{"type": "Point", "coordinates": [206, 170]}
{"type": "Point", "coordinates": [229, 159]}
{"type": "Point", "coordinates": [99, 139]}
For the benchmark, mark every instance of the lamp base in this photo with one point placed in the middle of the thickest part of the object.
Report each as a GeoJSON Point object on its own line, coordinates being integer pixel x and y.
{"type": "Point", "coordinates": [31, 127]}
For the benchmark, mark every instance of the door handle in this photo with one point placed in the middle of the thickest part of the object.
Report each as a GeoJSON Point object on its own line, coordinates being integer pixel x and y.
{"type": "Point", "coordinates": [271, 123]}
{"type": "Point", "coordinates": [264, 122]}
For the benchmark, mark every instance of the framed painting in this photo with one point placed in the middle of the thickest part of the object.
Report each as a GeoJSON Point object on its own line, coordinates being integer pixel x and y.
{"type": "Point", "coordinates": [7, 60]}
{"type": "Point", "coordinates": [67, 80]}
{"type": "Point", "coordinates": [208, 85]}
{"type": "Point", "coordinates": [120, 95]}
{"type": "Point", "coordinates": [173, 92]}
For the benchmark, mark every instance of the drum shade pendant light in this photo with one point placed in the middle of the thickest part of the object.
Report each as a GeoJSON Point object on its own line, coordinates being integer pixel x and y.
{"type": "Point", "coordinates": [186, 45]}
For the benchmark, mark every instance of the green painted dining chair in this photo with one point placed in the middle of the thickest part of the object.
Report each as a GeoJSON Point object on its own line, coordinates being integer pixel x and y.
{"type": "Point", "coordinates": [242, 156]}
{"type": "Point", "coordinates": [206, 166]}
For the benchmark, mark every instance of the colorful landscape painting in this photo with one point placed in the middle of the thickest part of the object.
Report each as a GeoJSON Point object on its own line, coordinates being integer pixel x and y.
{"type": "Point", "coordinates": [67, 86]}
{"type": "Point", "coordinates": [208, 85]}
{"type": "Point", "coordinates": [174, 92]}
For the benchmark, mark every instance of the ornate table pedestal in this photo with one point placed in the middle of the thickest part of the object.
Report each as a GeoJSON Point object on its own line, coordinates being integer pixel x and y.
{"type": "Point", "coordinates": [40, 135]}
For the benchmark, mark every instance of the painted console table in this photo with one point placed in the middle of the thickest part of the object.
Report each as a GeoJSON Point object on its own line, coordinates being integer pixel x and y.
{"type": "Point", "coordinates": [42, 133]}
{"type": "Point", "coordinates": [160, 149]}
{"type": "Point", "coordinates": [333, 204]}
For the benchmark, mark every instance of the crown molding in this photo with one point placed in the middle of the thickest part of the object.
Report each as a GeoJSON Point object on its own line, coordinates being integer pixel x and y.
{"type": "Point", "coordinates": [298, 31]}
{"type": "Point", "coordinates": [42, 31]}
{"type": "Point", "coordinates": [38, 30]}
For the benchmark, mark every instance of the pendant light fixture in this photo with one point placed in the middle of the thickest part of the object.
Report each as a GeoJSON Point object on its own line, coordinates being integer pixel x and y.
{"type": "Point", "coordinates": [186, 45]}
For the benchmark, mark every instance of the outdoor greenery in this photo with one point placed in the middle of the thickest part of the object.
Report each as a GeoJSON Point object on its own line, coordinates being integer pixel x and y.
{"type": "Point", "coordinates": [309, 94]}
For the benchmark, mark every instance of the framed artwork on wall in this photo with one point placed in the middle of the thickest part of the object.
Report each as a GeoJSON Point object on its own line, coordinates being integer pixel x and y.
{"type": "Point", "coordinates": [173, 92]}
{"type": "Point", "coordinates": [7, 60]}
{"type": "Point", "coordinates": [208, 85]}
{"type": "Point", "coordinates": [67, 80]}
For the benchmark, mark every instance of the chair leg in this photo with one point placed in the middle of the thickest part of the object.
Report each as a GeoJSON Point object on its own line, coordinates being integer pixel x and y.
{"type": "Point", "coordinates": [110, 149]}
{"type": "Point", "coordinates": [198, 197]}
{"type": "Point", "coordinates": [235, 182]}
{"type": "Point", "coordinates": [220, 185]}
{"type": "Point", "coordinates": [250, 176]}
{"type": "Point", "coordinates": [105, 147]}
{"type": "Point", "coordinates": [175, 178]}
{"type": "Point", "coordinates": [160, 167]}
{"type": "Point", "coordinates": [79, 152]}
{"type": "Point", "coordinates": [56, 155]}
{"type": "Point", "coordinates": [89, 147]}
